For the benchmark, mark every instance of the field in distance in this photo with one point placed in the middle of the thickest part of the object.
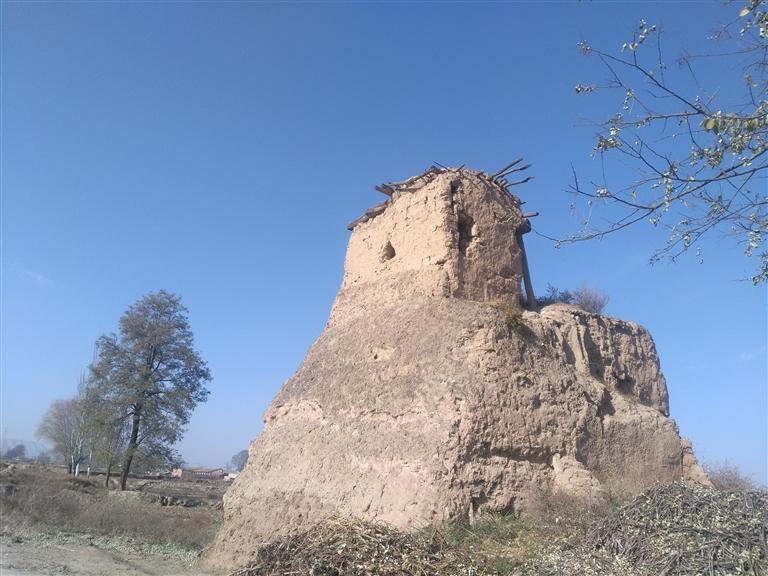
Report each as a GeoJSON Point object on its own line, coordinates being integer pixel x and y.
{"type": "Point", "coordinates": [54, 523]}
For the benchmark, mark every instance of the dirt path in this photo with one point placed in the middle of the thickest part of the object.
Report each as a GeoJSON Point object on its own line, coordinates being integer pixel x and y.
{"type": "Point", "coordinates": [78, 556]}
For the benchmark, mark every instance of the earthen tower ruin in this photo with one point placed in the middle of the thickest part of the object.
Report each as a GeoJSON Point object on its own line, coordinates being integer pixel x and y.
{"type": "Point", "coordinates": [431, 394]}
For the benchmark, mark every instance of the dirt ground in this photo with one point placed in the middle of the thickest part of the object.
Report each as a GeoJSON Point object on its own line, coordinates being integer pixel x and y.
{"type": "Point", "coordinates": [75, 555]}
{"type": "Point", "coordinates": [52, 524]}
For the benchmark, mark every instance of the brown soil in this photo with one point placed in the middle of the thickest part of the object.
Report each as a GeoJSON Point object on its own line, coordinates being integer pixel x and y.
{"type": "Point", "coordinates": [78, 555]}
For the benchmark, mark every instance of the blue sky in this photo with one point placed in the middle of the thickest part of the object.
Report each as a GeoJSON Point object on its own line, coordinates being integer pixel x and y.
{"type": "Point", "coordinates": [218, 150]}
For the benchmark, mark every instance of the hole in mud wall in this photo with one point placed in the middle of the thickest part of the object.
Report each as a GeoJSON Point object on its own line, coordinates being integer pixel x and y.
{"type": "Point", "coordinates": [626, 385]}
{"type": "Point", "coordinates": [388, 252]}
{"type": "Point", "coordinates": [465, 232]}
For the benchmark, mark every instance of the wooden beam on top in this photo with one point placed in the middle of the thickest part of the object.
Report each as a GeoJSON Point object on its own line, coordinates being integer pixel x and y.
{"type": "Point", "coordinates": [507, 167]}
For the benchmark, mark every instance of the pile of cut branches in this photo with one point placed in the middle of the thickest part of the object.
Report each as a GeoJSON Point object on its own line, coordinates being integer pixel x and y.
{"type": "Point", "coordinates": [683, 529]}
{"type": "Point", "coordinates": [676, 529]}
{"type": "Point", "coordinates": [350, 547]}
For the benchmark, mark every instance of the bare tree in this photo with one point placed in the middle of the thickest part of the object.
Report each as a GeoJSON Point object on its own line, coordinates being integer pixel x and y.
{"type": "Point", "coordinates": [590, 299]}
{"type": "Point", "coordinates": [698, 149]}
{"type": "Point", "coordinates": [64, 426]}
{"type": "Point", "coordinates": [151, 374]}
{"type": "Point", "coordinates": [107, 426]}
{"type": "Point", "coordinates": [726, 476]}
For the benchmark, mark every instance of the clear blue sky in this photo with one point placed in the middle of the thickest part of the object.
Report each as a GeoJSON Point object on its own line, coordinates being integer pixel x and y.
{"type": "Point", "coordinates": [218, 150]}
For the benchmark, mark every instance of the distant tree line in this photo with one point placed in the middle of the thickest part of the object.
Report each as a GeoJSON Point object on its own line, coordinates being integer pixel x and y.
{"type": "Point", "coordinates": [239, 460]}
{"type": "Point", "coordinates": [17, 452]}
{"type": "Point", "coordinates": [136, 399]}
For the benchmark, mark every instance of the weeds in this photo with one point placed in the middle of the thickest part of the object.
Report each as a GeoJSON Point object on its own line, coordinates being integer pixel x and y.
{"type": "Point", "coordinates": [558, 514]}
{"type": "Point", "coordinates": [493, 537]}
{"type": "Point", "coordinates": [500, 528]}
{"type": "Point", "coordinates": [57, 502]}
{"type": "Point", "coordinates": [513, 319]}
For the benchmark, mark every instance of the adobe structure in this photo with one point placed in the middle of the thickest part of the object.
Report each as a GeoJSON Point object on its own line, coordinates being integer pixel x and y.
{"type": "Point", "coordinates": [433, 394]}
{"type": "Point", "coordinates": [455, 238]}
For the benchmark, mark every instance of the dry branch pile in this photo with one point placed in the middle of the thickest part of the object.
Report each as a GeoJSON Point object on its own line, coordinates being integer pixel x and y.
{"type": "Point", "coordinates": [672, 529]}
{"type": "Point", "coordinates": [347, 547]}
{"type": "Point", "coordinates": [683, 528]}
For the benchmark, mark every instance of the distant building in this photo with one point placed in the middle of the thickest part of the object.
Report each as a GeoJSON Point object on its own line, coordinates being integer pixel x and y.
{"type": "Point", "coordinates": [199, 473]}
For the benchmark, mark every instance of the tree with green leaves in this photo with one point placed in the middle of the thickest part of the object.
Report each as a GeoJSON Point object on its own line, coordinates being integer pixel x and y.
{"type": "Point", "coordinates": [18, 452]}
{"type": "Point", "coordinates": [239, 460]}
{"type": "Point", "coordinates": [694, 135]}
{"type": "Point", "coordinates": [151, 375]}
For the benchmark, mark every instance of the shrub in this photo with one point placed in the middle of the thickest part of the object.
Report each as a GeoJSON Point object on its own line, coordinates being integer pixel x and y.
{"type": "Point", "coordinates": [561, 514]}
{"type": "Point", "coordinates": [555, 296]}
{"type": "Point", "coordinates": [586, 298]}
{"type": "Point", "coordinates": [513, 319]}
{"type": "Point", "coordinates": [727, 477]}
{"type": "Point", "coordinates": [590, 299]}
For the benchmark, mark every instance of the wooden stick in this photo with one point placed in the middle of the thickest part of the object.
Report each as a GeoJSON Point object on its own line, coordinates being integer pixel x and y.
{"type": "Point", "coordinates": [431, 170]}
{"type": "Point", "coordinates": [369, 214]}
{"type": "Point", "coordinates": [530, 298]}
{"type": "Point", "coordinates": [363, 218]}
{"type": "Point", "coordinates": [523, 181]}
{"type": "Point", "coordinates": [507, 167]}
{"type": "Point", "coordinates": [508, 172]}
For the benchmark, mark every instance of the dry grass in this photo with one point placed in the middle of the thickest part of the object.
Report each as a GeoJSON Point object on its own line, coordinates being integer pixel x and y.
{"type": "Point", "coordinates": [670, 529]}
{"type": "Point", "coordinates": [513, 319]}
{"type": "Point", "coordinates": [495, 538]}
{"type": "Point", "coordinates": [676, 528]}
{"type": "Point", "coordinates": [51, 500]}
{"type": "Point", "coordinates": [560, 514]}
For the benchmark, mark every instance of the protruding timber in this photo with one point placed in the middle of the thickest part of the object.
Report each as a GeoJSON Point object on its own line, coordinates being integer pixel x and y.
{"type": "Point", "coordinates": [530, 298]}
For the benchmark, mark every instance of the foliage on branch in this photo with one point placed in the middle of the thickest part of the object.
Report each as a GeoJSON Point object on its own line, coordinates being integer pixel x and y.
{"type": "Point", "coordinates": [152, 377]}
{"type": "Point", "coordinates": [699, 153]}
{"type": "Point", "coordinates": [239, 460]}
